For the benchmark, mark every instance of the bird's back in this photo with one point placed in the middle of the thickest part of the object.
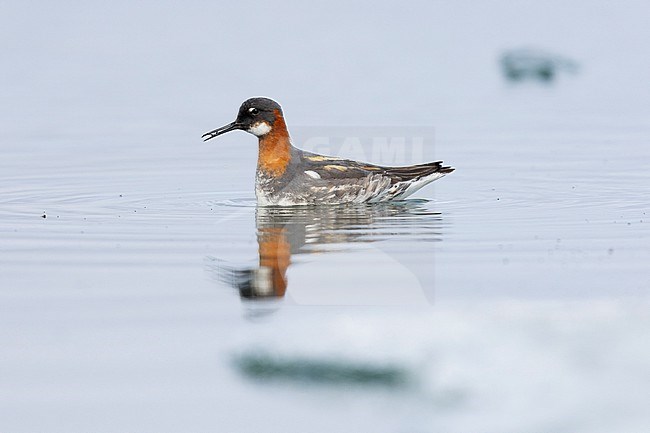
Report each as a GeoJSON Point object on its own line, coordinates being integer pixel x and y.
{"type": "Point", "coordinates": [318, 179]}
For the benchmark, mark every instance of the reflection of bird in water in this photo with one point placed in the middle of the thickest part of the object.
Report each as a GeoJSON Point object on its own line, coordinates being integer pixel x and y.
{"type": "Point", "coordinates": [283, 232]}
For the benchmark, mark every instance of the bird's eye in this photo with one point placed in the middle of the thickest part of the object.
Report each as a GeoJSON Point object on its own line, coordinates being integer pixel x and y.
{"type": "Point", "coordinates": [254, 111]}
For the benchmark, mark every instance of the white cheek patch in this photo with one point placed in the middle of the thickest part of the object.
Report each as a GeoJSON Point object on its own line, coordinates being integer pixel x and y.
{"type": "Point", "coordinates": [260, 128]}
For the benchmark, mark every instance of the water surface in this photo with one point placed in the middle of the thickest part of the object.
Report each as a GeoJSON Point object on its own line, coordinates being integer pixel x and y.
{"type": "Point", "coordinates": [141, 289]}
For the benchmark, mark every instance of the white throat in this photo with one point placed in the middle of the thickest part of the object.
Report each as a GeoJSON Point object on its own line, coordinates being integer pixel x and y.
{"type": "Point", "coordinates": [260, 128]}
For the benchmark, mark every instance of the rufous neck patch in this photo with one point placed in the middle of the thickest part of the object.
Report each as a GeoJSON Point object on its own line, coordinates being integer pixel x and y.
{"type": "Point", "coordinates": [275, 148]}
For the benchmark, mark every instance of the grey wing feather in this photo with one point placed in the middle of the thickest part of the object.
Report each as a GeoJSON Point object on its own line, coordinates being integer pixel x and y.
{"type": "Point", "coordinates": [341, 180]}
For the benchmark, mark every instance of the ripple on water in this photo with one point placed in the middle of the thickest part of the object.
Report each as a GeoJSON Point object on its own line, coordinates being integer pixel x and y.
{"type": "Point", "coordinates": [235, 202]}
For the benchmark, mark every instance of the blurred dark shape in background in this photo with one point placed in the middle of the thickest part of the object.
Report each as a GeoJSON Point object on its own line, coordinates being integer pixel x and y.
{"type": "Point", "coordinates": [534, 64]}
{"type": "Point", "coordinates": [324, 371]}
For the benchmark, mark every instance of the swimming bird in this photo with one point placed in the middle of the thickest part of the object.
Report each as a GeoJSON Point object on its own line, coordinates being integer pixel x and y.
{"type": "Point", "coordinates": [288, 176]}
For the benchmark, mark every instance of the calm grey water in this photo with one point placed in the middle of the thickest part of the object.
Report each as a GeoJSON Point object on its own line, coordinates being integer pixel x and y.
{"type": "Point", "coordinates": [142, 290]}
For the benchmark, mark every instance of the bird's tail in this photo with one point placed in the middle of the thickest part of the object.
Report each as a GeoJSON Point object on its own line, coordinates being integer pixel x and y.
{"type": "Point", "coordinates": [415, 172]}
{"type": "Point", "coordinates": [407, 180]}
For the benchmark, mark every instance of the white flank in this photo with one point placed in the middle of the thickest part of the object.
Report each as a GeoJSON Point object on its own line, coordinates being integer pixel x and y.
{"type": "Point", "coordinates": [260, 128]}
{"type": "Point", "coordinates": [416, 185]}
{"type": "Point", "coordinates": [312, 174]}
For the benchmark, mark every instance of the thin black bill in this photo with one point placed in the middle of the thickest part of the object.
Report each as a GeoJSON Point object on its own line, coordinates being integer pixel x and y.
{"type": "Point", "coordinates": [230, 127]}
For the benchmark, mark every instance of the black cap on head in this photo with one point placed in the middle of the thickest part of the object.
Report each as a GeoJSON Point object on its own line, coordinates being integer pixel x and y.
{"type": "Point", "coordinates": [257, 109]}
{"type": "Point", "coordinates": [254, 111]}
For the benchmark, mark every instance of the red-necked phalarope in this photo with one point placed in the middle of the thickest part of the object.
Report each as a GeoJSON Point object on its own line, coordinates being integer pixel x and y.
{"type": "Point", "coordinates": [287, 176]}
